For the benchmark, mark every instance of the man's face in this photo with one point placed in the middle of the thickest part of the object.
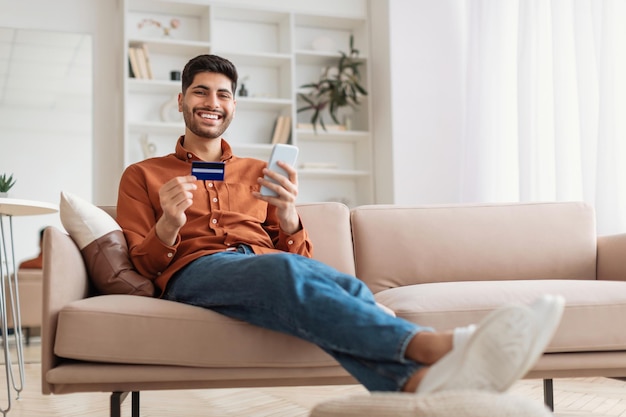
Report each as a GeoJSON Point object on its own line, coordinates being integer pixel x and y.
{"type": "Point", "coordinates": [208, 105]}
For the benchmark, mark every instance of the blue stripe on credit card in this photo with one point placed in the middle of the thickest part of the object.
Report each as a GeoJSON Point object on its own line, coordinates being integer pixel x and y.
{"type": "Point", "coordinates": [213, 171]}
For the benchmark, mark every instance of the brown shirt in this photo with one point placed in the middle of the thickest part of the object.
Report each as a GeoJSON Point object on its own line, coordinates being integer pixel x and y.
{"type": "Point", "coordinates": [223, 214]}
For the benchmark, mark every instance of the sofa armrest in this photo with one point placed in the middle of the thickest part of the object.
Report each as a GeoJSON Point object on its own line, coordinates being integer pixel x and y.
{"type": "Point", "coordinates": [64, 280]}
{"type": "Point", "coordinates": [610, 259]}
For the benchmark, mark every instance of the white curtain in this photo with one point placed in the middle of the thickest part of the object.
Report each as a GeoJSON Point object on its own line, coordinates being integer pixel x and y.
{"type": "Point", "coordinates": [545, 102]}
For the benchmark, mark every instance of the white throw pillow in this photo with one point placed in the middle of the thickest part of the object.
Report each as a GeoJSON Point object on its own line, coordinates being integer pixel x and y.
{"type": "Point", "coordinates": [103, 246]}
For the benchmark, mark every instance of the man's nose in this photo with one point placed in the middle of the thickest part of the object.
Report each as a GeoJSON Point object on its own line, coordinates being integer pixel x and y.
{"type": "Point", "coordinates": [211, 101]}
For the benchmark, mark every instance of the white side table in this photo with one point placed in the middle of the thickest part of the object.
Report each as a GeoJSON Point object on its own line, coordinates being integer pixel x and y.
{"type": "Point", "coordinates": [10, 207]}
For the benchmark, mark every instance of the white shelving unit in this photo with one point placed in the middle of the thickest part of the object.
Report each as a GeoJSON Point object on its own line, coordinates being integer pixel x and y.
{"type": "Point", "coordinates": [276, 50]}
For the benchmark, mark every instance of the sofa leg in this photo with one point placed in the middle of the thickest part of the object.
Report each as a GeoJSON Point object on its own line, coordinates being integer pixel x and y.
{"type": "Point", "coordinates": [548, 394]}
{"type": "Point", "coordinates": [135, 404]}
{"type": "Point", "coordinates": [117, 398]}
{"type": "Point", "coordinates": [27, 335]}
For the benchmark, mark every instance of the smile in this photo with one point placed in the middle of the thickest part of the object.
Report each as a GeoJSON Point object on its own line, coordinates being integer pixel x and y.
{"type": "Point", "coordinates": [210, 116]}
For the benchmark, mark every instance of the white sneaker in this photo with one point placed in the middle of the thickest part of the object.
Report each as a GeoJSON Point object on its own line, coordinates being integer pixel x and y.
{"type": "Point", "coordinates": [502, 349]}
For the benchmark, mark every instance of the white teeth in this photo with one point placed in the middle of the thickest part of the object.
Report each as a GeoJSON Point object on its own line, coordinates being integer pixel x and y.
{"type": "Point", "coordinates": [209, 116]}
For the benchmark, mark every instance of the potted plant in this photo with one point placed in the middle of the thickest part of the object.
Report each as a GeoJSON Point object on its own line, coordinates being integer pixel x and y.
{"type": "Point", "coordinates": [338, 87]}
{"type": "Point", "coordinates": [5, 184]}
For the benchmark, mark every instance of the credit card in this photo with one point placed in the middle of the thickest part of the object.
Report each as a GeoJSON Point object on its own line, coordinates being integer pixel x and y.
{"type": "Point", "coordinates": [212, 171]}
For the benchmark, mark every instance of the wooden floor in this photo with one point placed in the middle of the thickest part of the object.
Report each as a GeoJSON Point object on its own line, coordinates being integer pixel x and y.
{"type": "Point", "coordinates": [588, 397]}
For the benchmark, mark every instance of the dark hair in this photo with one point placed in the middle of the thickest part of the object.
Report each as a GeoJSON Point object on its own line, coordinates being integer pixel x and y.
{"type": "Point", "coordinates": [209, 63]}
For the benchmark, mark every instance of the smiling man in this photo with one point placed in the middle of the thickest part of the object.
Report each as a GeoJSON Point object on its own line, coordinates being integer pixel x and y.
{"type": "Point", "coordinates": [222, 245]}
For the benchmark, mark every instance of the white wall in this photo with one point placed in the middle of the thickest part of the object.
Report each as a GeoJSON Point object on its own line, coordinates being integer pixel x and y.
{"type": "Point", "coordinates": [419, 102]}
{"type": "Point", "coordinates": [97, 18]}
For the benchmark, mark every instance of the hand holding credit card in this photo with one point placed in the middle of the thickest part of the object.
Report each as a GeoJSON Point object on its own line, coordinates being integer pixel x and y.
{"type": "Point", "coordinates": [208, 171]}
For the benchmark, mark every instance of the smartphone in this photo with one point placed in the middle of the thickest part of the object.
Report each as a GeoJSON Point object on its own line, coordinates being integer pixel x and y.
{"type": "Point", "coordinates": [280, 152]}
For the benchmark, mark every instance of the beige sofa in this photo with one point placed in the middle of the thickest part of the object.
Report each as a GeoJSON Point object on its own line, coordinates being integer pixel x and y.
{"type": "Point", "coordinates": [30, 289]}
{"type": "Point", "coordinates": [442, 266]}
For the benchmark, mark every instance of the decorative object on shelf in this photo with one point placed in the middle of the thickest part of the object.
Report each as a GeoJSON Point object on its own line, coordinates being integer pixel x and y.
{"type": "Point", "coordinates": [243, 91]}
{"type": "Point", "coordinates": [169, 110]}
{"type": "Point", "coordinates": [175, 75]}
{"type": "Point", "coordinates": [6, 183]}
{"type": "Point", "coordinates": [338, 87]}
{"type": "Point", "coordinates": [167, 29]}
{"type": "Point", "coordinates": [148, 148]}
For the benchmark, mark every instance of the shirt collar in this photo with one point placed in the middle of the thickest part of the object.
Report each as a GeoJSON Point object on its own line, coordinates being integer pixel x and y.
{"type": "Point", "coordinates": [184, 155]}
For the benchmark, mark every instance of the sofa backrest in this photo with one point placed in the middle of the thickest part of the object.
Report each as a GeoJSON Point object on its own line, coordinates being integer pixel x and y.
{"type": "Point", "coordinates": [396, 245]}
{"type": "Point", "coordinates": [328, 225]}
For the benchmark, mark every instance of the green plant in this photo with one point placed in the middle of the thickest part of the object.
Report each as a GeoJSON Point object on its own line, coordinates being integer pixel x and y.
{"type": "Point", "coordinates": [6, 182]}
{"type": "Point", "coordinates": [338, 87]}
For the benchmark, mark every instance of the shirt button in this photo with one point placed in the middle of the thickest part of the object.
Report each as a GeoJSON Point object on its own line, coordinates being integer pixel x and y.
{"type": "Point", "coordinates": [169, 255]}
{"type": "Point", "coordinates": [215, 199]}
{"type": "Point", "coordinates": [189, 156]}
{"type": "Point", "coordinates": [290, 242]}
{"type": "Point", "coordinates": [158, 273]}
{"type": "Point", "coordinates": [214, 221]}
{"type": "Point", "coordinates": [210, 184]}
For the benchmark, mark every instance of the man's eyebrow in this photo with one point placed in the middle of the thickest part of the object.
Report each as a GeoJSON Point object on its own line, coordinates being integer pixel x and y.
{"type": "Point", "coordinates": [204, 87]}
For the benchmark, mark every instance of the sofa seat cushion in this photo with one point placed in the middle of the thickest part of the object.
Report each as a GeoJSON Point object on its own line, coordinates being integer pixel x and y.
{"type": "Point", "coordinates": [142, 330]}
{"type": "Point", "coordinates": [590, 313]}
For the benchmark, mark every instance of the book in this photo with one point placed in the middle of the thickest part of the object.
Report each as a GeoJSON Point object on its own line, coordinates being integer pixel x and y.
{"type": "Point", "coordinates": [285, 131]}
{"type": "Point", "coordinates": [141, 60]}
{"type": "Point", "coordinates": [134, 62]}
{"type": "Point", "coordinates": [131, 73]}
{"type": "Point", "coordinates": [278, 126]}
{"type": "Point", "coordinates": [148, 64]}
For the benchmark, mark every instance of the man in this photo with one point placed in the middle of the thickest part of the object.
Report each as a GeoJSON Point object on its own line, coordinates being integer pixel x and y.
{"type": "Point", "coordinates": [222, 245]}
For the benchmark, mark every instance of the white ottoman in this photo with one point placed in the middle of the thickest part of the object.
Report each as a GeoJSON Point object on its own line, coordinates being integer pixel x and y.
{"type": "Point", "coordinates": [440, 404]}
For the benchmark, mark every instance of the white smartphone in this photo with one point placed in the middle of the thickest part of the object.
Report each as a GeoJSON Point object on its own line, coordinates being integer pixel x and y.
{"type": "Point", "coordinates": [280, 152]}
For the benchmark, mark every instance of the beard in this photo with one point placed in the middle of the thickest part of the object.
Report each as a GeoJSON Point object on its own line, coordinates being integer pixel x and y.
{"type": "Point", "coordinates": [200, 130]}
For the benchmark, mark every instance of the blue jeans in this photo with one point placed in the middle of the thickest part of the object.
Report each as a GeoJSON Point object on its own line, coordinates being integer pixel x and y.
{"type": "Point", "coordinates": [305, 298]}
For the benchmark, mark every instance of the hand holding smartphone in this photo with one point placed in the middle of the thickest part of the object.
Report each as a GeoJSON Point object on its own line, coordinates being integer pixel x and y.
{"type": "Point", "coordinates": [280, 152]}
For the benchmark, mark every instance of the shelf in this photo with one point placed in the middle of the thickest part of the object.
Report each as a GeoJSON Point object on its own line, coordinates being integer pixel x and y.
{"type": "Point", "coordinates": [260, 103]}
{"type": "Point", "coordinates": [178, 8]}
{"type": "Point", "coordinates": [262, 59]}
{"type": "Point", "coordinates": [321, 135]}
{"type": "Point", "coordinates": [331, 173]}
{"type": "Point", "coordinates": [311, 57]}
{"type": "Point", "coordinates": [160, 128]}
{"type": "Point", "coordinates": [276, 46]}
{"type": "Point", "coordinates": [172, 46]}
{"type": "Point", "coordinates": [329, 22]}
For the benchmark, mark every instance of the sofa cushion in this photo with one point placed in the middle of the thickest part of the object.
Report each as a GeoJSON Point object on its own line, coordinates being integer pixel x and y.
{"type": "Point", "coordinates": [103, 246]}
{"type": "Point", "coordinates": [142, 330]}
{"type": "Point", "coordinates": [587, 324]}
{"type": "Point", "coordinates": [396, 246]}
